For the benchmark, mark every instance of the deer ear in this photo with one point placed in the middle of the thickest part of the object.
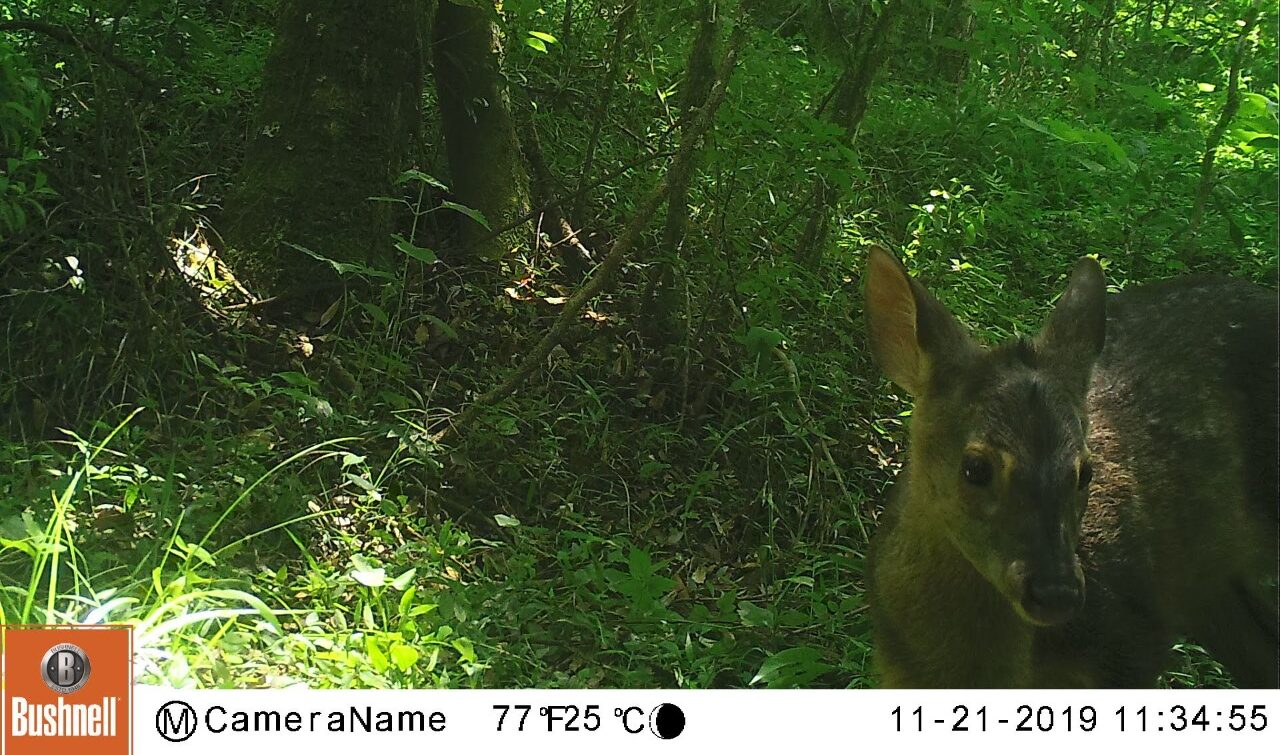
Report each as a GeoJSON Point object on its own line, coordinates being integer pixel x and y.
{"type": "Point", "coordinates": [911, 332]}
{"type": "Point", "coordinates": [1073, 336]}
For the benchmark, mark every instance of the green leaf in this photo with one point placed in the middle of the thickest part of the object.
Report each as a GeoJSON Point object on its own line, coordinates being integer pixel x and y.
{"type": "Point", "coordinates": [1148, 96]}
{"type": "Point", "coordinates": [343, 268]}
{"type": "Point", "coordinates": [753, 615]}
{"type": "Point", "coordinates": [651, 468]}
{"type": "Point", "coordinates": [640, 563]}
{"type": "Point", "coordinates": [403, 581]}
{"type": "Point", "coordinates": [298, 380]}
{"type": "Point", "coordinates": [377, 658]}
{"type": "Point", "coordinates": [536, 44]}
{"type": "Point", "coordinates": [793, 667]}
{"type": "Point", "coordinates": [194, 550]}
{"type": "Point", "coordinates": [760, 341]}
{"type": "Point", "coordinates": [378, 314]}
{"type": "Point", "coordinates": [1036, 126]}
{"type": "Point", "coordinates": [506, 521]}
{"type": "Point", "coordinates": [466, 649]}
{"type": "Point", "coordinates": [475, 215]}
{"type": "Point", "coordinates": [416, 175]}
{"type": "Point", "coordinates": [404, 656]}
{"type": "Point", "coordinates": [360, 482]}
{"type": "Point", "coordinates": [445, 328]}
{"type": "Point", "coordinates": [420, 253]}
{"type": "Point", "coordinates": [545, 37]}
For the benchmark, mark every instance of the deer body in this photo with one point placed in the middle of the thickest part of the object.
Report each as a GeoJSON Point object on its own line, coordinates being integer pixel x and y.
{"type": "Point", "coordinates": [1073, 504]}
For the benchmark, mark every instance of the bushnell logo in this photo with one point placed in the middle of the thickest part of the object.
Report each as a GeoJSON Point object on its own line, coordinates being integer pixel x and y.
{"type": "Point", "coordinates": [67, 688]}
{"type": "Point", "coordinates": [65, 668]}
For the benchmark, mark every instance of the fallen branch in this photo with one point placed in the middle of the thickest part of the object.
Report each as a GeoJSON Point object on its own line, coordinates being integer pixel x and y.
{"type": "Point", "coordinates": [617, 254]}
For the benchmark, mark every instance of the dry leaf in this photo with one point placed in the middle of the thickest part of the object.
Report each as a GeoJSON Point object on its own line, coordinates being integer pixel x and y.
{"type": "Point", "coordinates": [330, 312]}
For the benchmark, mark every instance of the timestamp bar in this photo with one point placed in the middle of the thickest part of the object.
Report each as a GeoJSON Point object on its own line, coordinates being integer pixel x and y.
{"type": "Point", "coordinates": [1026, 722]}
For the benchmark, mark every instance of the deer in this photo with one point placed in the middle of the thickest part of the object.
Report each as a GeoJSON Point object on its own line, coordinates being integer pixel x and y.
{"type": "Point", "coordinates": [1074, 502]}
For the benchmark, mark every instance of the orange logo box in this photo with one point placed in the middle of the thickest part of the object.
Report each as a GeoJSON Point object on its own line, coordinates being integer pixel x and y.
{"type": "Point", "coordinates": [66, 689]}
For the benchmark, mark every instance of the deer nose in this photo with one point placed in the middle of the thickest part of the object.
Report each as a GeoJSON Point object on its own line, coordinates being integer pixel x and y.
{"type": "Point", "coordinates": [1050, 602]}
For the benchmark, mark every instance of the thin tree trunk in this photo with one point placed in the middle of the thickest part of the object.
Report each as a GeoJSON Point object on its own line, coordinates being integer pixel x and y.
{"type": "Point", "coordinates": [659, 302]}
{"type": "Point", "coordinates": [602, 106]}
{"type": "Point", "coordinates": [1105, 33]}
{"type": "Point", "coordinates": [1229, 110]}
{"type": "Point", "coordinates": [949, 63]}
{"type": "Point", "coordinates": [573, 255]}
{"type": "Point", "coordinates": [849, 107]}
{"type": "Point", "coordinates": [566, 25]}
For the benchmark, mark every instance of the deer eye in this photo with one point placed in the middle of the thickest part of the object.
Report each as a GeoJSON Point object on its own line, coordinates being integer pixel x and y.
{"type": "Point", "coordinates": [1086, 474]}
{"type": "Point", "coordinates": [976, 471]}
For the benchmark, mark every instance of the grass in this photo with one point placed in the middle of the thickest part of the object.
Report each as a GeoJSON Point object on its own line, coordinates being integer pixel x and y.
{"type": "Point", "coordinates": [377, 606]}
{"type": "Point", "coordinates": [614, 549]}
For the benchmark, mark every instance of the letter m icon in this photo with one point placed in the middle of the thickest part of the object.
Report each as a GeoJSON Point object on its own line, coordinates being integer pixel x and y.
{"type": "Point", "coordinates": [176, 721]}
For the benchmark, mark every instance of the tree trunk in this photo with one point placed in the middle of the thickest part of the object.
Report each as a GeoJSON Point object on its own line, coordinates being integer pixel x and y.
{"type": "Point", "coordinates": [937, 22]}
{"type": "Point", "coordinates": [659, 303]}
{"type": "Point", "coordinates": [953, 62]}
{"type": "Point", "coordinates": [849, 104]}
{"type": "Point", "coordinates": [1148, 21]}
{"type": "Point", "coordinates": [485, 168]}
{"type": "Point", "coordinates": [338, 113]}
{"type": "Point", "coordinates": [1229, 110]}
{"type": "Point", "coordinates": [566, 26]}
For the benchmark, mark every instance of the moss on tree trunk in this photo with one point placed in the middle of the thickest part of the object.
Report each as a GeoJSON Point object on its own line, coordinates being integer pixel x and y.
{"type": "Point", "coordinates": [485, 167]}
{"type": "Point", "coordinates": [339, 108]}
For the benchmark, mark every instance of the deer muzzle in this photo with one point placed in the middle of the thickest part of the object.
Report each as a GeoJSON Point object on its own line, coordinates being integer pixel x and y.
{"type": "Point", "coordinates": [1049, 597]}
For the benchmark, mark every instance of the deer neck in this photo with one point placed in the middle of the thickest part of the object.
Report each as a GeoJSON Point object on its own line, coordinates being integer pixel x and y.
{"type": "Point", "coordinates": [950, 612]}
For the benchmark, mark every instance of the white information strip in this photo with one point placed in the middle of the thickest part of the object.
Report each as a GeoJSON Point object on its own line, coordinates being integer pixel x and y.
{"type": "Point", "coordinates": [567, 721]}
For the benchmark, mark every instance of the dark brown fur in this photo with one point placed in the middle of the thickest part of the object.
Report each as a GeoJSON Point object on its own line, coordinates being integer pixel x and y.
{"type": "Point", "coordinates": [1176, 535]}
